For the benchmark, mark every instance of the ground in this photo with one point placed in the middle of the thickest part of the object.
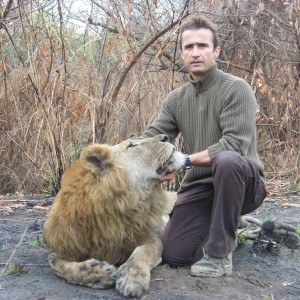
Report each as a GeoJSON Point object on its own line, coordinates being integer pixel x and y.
{"type": "Point", "coordinates": [257, 273]}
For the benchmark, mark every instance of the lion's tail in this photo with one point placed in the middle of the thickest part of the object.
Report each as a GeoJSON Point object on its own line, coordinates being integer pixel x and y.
{"type": "Point", "coordinates": [91, 273]}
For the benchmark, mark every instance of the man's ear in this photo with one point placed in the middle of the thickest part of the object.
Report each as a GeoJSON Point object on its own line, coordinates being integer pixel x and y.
{"type": "Point", "coordinates": [217, 52]}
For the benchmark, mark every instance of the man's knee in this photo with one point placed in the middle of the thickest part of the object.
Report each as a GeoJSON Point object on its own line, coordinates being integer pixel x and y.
{"type": "Point", "coordinates": [175, 257]}
{"type": "Point", "coordinates": [228, 161]}
{"type": "Point", "coordinates": [227, 158]}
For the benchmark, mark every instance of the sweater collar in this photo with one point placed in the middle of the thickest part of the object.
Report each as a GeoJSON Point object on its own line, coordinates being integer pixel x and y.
{"type": "Point", "coordinates": [206, 80]}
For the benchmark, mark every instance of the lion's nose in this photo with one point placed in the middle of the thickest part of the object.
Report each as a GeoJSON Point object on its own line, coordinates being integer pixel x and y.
{"type": "Point", "coordinates": [165, 138]}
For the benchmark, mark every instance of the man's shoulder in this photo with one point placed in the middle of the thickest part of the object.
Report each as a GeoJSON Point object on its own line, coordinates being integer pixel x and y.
{"type": "Point", "coordinates": [229, 82]}
{"type": "Point", "coordinates": [226, 78]}
{"type": "Point", "coordinates": [182, 89]}
{"type": "Point", "coordinates": [179, 92]}
{"type": "Point", "coordinates": [234, 87]}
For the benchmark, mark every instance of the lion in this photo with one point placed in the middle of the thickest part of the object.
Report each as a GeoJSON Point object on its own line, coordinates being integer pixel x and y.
{"type": "Point", "coordinates": [104, 228]}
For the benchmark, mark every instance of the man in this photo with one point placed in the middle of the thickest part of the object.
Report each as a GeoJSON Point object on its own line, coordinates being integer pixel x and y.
{"type": "Point", "coordinates": [215, 113]}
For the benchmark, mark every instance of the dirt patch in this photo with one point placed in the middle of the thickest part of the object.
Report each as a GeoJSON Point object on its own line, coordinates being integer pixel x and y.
{"type": "Point", "coordinates": [257, 274]}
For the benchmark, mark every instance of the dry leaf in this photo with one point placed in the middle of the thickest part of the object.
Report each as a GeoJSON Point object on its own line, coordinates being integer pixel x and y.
{"type": "Point", "coordinates": [19, 205]}
{"type": "Point", "coordinates": [260, 8]}
{"type": "Point", "coordinates": [289, 205]}
{"type": "Point", "coordinates": [129, 8]}
{"type": "Point", "coordinates": [38, 207]}
{"type": "Point", "coordinates": [6, 209]}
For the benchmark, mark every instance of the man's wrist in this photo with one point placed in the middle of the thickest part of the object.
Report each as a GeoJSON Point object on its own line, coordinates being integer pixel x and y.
{"type": "Point", "coordinates": [187, 163]}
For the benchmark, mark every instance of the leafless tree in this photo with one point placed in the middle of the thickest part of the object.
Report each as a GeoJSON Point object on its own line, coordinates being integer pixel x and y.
{"type": "Point", "coordinates": [76, 72]}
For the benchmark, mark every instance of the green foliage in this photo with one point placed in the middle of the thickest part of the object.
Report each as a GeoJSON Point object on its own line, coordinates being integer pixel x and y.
{"type": "Point", "coordinates": [15, 269]}
{"type": "Point", "coordinates": [39, 242]}
{"type": "Point", "coordinates": [294, 188]}
{"type": "Point", "coordinates": [242, 241]}
{"type": "Point", "coordinates": [72, 153]}
{"type": "Point", "coordinates": [263, 219]}
{"type": "Point", "coordinates": [4, 247]}
{"type": "Point", "coordinates": [298, 229]}
{"type": "Point", "coordinates": [25, 253]}
{"type": "Point", "coordinates": [49, 189]}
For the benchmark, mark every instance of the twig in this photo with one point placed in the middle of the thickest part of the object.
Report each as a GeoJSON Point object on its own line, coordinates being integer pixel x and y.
{"type": "Point", "coordinates": [26, 219]}
{"type": "Point", "coordinates": [9, 260]}
{"type": "Point", "coordinates": [14, 200]}
{"type": "Point", "coordinates": [287, 205]}
{"type": "Point", "coordinates": [13, 140]}
{"type": "Point", "coordinates": [262, 284]}
{"type": "Point", "coordinates": [101, 24]}
{"type": "Point", "coordinates": [139, 54]}
{"type": "Point", "coordinates": [20, 220]}
{"type": "Point", "coordinates": [274, 125]}
{"type": "Point", "coordinates": [7, 10]}
{"type": "Point", "coordinates": [32, 265]}
{"type": "Point", "coordinates": [235, 66]}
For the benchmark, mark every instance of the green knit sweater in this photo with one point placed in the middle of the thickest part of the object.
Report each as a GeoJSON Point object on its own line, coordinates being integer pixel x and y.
{"type": "Point", "coordinates": [216, 113]}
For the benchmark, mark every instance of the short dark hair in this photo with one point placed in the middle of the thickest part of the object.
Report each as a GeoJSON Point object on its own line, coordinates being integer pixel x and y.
{"type": "Point", "coordinates": [198, 23]}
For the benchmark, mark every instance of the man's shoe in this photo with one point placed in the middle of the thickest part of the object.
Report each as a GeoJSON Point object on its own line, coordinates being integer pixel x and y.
{"type": "Point", "coordinates": [210, 266]}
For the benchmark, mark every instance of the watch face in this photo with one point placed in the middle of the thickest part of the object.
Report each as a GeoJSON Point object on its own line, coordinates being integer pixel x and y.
{"type": "Point", "coordinates": [187, 164]}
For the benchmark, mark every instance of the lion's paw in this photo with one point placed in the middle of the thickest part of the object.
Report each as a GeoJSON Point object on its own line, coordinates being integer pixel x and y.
{"type": "Point", "coordinates": [91, 273]}
{"type": "Point", "coordinates": [98, 275]}
{"type": "Point", "coordinates": [133, 279]}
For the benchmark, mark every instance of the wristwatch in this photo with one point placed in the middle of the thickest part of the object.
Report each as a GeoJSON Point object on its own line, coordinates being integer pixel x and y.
{"type": "Point", "coordinates": [187, 163]}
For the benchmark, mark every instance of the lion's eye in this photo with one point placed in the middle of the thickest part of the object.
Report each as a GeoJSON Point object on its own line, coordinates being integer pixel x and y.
{"type": "Point", "coordinates": [131, 145]}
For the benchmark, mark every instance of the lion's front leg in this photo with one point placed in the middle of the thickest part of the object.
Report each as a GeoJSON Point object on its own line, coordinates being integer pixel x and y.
{"type": "Point", "coordinates": [91, 273]}
{"type": "Point", "coordinates": [133, 277]}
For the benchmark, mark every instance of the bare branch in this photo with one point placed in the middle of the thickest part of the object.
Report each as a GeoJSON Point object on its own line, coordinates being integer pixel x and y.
{"type": "Point", "coordinates": [138, 55]}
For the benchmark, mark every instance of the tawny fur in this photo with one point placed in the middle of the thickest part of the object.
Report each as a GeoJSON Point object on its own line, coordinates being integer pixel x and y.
{"type": "Point", "coordinates": [102, 213]}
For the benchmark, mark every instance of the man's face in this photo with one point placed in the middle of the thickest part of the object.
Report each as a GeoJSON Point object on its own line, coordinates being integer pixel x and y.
{"type": "Point", "coordinates": [197, 51]}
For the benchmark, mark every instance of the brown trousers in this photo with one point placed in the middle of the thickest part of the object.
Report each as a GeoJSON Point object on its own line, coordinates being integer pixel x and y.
{"type": "Point", "coordinates": [206, 216]}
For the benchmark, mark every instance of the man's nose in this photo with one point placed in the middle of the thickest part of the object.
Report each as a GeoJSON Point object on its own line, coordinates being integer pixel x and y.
{"type": "Point", "coordinates": [196, 51]}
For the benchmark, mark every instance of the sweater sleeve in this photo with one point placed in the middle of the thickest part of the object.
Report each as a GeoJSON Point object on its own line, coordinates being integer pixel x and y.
{"type": "Point", "coordinates": [166, 121]}
{"type": "Point", "coordinates": [237, 119]}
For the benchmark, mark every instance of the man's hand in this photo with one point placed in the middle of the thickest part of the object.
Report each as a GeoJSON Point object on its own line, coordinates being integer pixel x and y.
{"type": "Point", "coordinates": [168, 176]}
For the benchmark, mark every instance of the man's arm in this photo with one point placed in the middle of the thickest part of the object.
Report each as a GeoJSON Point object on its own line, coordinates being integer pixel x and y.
{"type": "Point", "coordinates": [237, 119]}
{"type": "Point", "coordinates": [199, 159]}
{"type": "Point", "coordinates": [165, 123]}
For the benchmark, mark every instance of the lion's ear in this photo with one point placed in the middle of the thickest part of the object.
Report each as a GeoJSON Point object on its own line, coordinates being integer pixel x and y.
{"type": "Point", "coordinates": [97, 158]}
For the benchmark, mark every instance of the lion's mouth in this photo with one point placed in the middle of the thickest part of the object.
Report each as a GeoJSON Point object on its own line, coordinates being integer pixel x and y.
{"type": "Point", "coordinates": [162, 169]}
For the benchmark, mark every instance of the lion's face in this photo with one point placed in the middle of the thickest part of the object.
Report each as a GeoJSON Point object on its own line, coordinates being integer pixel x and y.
{"type": "Point", "coordinates": [151, 157]}
{"type": "Point", "coordinates": [144, 160]}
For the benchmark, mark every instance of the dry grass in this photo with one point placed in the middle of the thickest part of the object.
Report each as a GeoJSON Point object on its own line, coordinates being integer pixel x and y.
{"type": "Point", "coordinates": [61, 90]}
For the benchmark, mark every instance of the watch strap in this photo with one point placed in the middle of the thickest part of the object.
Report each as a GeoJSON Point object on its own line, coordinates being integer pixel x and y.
{"type": "Point", "coordinates": [187, 163]}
